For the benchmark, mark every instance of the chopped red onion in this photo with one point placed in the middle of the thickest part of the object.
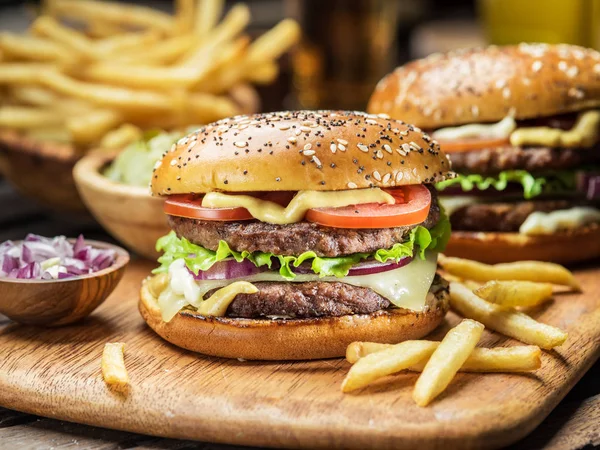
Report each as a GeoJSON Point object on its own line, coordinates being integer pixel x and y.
{"type": "Point", "coordinates": [371, 267]}
{"type": "Point", "coordinates": [227, 270]}
{"type": "Point", "coordinates": [42, 258]}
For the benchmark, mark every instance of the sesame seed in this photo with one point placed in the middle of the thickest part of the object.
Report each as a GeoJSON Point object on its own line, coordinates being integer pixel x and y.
{"type": "Point", "coordinates": [536, 66]}
{"type": "Point", "coordinates": [379, 154]}
{"type": "Point", "coordinates": [341, 147]}
{"type": "Point", "coordinates": [387, 148]}
{"type": "Point", "coordinates": [308, 152]}
{"type": "Point", "coordinates": [377, 176]}
{"type": "Point", "coordinates": [500, 84]}
{"type": "Point", "coordinates": [399, 176]}
{"type": "Point", "coordinates": [352, 185]}
{"type": "Point", "coordinates": [404, 133]}
{"type": "Point", "coordinates": [406, 148]}
{"type": "Point", "coordinates": [362, 147]}
{"type": "Point", "coordinates": [308, 146]}
{"type": "Point", "coordinates": [597, 68]}
{"type": "Point", "coordinates": [297, 132]}
{"type": "Point", "coordinates": [386, 177]}
{"type": "Point", "coordinates": [240, 144]}
{"type": "Point", "coordinates": [342, 141]}
{"type": "Point", "coordinates": [284, 127]}
{"type": "Point", "coordinates": [292, 139]}
{"type": "Point", "coordinates": [383, 116]}
{"type": "Point", "coordinates": [414, 171]}
{"type": "Point", "coordinates": [371, 122]}
{"type": "Point", "coordinates": [414, 145]}
{"type": "Point", "coordinates": [305, 129]}
{"type": "Point", "coordinates": [506, 92]}
{"type": "Point", "coordinates": [173, 148]}
{"type": "Point", "coordinates": [572, 72]}
{"type": "Point", "coordinates": [563, 66]}
{"type": "Point", "coordinates": [317, 161]}
{"type": "Point", "coordinates": [333, 148]}
{"type": "Point", "coordinates": [475, 110]}
{"type": "Point", "coordinates": [173, 162]}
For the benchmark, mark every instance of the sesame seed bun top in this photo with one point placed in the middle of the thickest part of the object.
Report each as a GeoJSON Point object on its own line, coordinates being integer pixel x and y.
{"type": "Point", "coordinates": [296, 150]}
{"type": "Point", "coordinates": [486, 85]}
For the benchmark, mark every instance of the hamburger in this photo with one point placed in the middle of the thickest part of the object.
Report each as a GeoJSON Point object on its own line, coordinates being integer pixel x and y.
{"type": "Point", "coordinates": [297, 233]}
{"type": "Point", "coordinates": [521, 127]}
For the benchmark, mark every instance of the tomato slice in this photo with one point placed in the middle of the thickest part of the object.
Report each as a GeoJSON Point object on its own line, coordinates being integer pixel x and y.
{"type": "Point", "coordinates": [467, 145]}
{"type": "Point", "coordinates": [411, 207]}
{"type": "Point", "coordinates": [191, 206]}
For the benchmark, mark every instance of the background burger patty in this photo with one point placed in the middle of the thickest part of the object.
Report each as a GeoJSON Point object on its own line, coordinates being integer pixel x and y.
{"type": "Point", "coordinates": [296, 238]}
{"type": "Point", "coordinates": [507, 217]}
{"type": "Point", "coordinates": [312, 299]}
{"type": "Point", "coordinates": [491, 161]}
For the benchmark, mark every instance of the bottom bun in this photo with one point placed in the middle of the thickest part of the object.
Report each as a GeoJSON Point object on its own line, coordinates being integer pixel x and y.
{"type": "Point", "coordinates": [296, 339]}
{"type": "Point", "coordinates": [563, 247]}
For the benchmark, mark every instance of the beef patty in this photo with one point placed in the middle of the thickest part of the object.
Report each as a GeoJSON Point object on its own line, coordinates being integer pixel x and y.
{"type": "Point", "coordinates": [491, 161]}
{"type": "Point", "coordinates": [312, 299]}
{"type": "Point", "coordinates": [296, 238]}
{"type": "Point", "coordinates": [505, 217]}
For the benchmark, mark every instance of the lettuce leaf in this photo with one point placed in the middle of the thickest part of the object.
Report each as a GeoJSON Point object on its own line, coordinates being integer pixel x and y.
{"type": "Point", "coordinates": [198, 258]}
{"type": "Point", "coordinates": [532, 185]}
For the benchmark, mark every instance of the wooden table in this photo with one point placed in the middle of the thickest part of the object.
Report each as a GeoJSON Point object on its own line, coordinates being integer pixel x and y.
{"type": "Point", "coordinates": [574, 424]}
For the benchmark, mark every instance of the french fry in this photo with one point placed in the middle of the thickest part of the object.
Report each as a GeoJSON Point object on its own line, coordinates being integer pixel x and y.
{"type": "Point", "coordinates": [232, 25]}
{"type": "Point", "coordinates": [125, 15]}
{"type": "Point", "coordinates": [22, 117]}
{"type": "Point", "coordinates": [52, 134]}
{"type": "Point", "coordinates": [208, 13]}
{"type": "Point", "coordinates": [386, 362]}
{"type": "Point", "coordinates": [126, 42]}
{"type": "Point", "coordinates": [506, 321]}
{"type": "Point", "coordinates": [119, 98]}
{"type": "Point", "coordinates": [156, 78]}
{"type": "Point", "coordinates": [121, 137]}
{"type": "Point", "coordinates": [264, 74]}
{"type": "Point", "coordinates": [536, 271]}
{"type": "Point", "coordinates": [164, 52]}
{"type": "Point", "coordinates": [114, 371]}
{"type": "Point", "coordinates": [446, 360]}
{"type": "Point", "coordinates": [514, 293]}
{"type": "Point", "coordinates": [34, 49]}
{"type": "Point", "coordinates": [184, 15]}
{"type": "Point", "coordinates": [34, 95]}
{"type": "Point", "coordinates": [272, 44]}
{"type": "Point", "coordinates": [68, 37]}
{"type": "Point", "coordinates": [90, 127]}
{"type": "Point", "coordinates": [523, 358]}
{"type": "Point", "coordinates": [22, 73]}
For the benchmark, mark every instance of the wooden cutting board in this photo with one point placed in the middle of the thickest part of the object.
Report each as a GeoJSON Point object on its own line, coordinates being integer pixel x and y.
{"type": "Point", "coordinates": [175, 393]}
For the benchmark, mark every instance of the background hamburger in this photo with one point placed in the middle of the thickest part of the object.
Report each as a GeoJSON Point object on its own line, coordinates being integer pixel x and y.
{"type": "Point", "coordinates": [352, 257]}
{"type": "Point", "coordinates": [521, 126]}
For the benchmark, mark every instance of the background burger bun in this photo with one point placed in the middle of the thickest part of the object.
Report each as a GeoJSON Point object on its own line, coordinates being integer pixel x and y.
{"type": "Point", "coordinates": [288, 340]}
{"type": "Point", "coordinates": [291, 151]}
{"type": "Point", "coordinates": [485, 85]}
{"type": "Point", "coordinates": [563, 247]}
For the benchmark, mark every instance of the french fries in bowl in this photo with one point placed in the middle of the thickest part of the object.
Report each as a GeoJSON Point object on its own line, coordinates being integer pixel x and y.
{"type": "Point", "coordinates": [95, 74]}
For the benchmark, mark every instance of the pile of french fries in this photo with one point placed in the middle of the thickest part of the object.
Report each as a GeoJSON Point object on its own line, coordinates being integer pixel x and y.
{"type": "Point", "coordinates": [492, 296]}
{"type": "Point", "coordinates": [96, 73]}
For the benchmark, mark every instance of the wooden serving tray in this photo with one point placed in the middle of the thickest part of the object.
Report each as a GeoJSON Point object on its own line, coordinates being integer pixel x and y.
{"type": "Point", "coordinates": [175, 393]}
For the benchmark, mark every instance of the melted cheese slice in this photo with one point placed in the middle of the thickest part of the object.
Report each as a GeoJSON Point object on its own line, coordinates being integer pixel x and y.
{"type": "Point", "coordinates": [453, 204]}
{"type": "Point", "coordinates": [406, 287]}
{"type": "Point", "coordinates": [565, 219]}
{"type": "Point", "coordinates": [271, 212]}
{"type": "Point", "coordinates": [499, 130]}
{"type": "Point", "coordinates": [584, 133]}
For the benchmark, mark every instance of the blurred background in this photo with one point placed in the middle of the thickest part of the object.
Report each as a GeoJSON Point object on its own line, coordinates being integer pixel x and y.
{"type": "Point", "coordinates": [329, 56]}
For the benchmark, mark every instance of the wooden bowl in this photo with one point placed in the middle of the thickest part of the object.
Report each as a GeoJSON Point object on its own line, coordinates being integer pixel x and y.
{"type": "Point", "coordinates": [41, 170]}
{"type": "Point", "coordinates": [59, 302]}
{"type": "Point", "coordinates": [129, 213]}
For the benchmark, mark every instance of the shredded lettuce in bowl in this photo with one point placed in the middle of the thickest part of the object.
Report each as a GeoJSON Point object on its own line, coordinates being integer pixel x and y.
{"type": "Point", "coordinates": [133, 166]}
{"type": "Point", "coordinates": [198, 258]}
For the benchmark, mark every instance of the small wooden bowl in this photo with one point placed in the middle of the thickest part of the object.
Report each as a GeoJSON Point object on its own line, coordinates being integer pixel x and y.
{"type": "Point", "coordinates": [59, 302]}
{"type": "Point", "coordinates": [129, 213]}
{"type": "Point", "coordinates": [41, 170]}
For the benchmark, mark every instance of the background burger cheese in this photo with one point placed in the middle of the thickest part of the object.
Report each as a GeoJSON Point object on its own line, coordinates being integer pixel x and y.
{"type": "Point", "coordinates": [521, 126]}
{"type": "Point", "coordinates": [296, 233]}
